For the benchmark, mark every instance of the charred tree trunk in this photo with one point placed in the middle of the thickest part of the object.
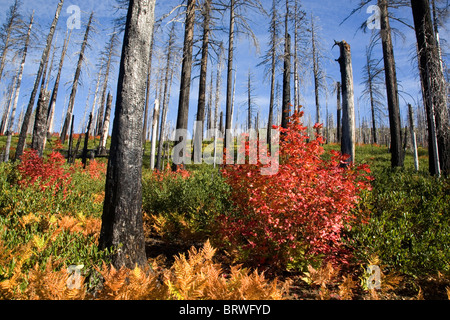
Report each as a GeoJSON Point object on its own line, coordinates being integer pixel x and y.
{"type": "Point", "coordinates": [69, 151]}
{"type": "Point", "coordinates": [27, 117]}
{"type": "Point", "coordinates": [185, 85]}
{"type": "Point", "coordinates": [75, 82]}
{"type": "Point", "coordinates": [86, 141]}
{"type": "Point", "coordinates": [122, 211]}
{"type": "Point", "coordinates": [338, 110]}
{"type": "Point", "coordinates": [434, 89]}
{"type": "Point", "coordinates": [229, 97]}
{"type": "Point", "coordinates": [286, 82]}
{"type": "Point", "coordinates": [197, 154]}
{"type": "Point", "coordinates": [348, 102]}
{"type": "Point", "coordinates": [391, 87]}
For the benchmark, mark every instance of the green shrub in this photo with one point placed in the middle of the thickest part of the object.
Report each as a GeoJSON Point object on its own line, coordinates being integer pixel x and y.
{"type": "Point", "coordinates": [184, 204]}
{"type": "Point", "coordinates": [409, 227]}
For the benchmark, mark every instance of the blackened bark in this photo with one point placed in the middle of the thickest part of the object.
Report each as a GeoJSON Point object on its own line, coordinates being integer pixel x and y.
{"type": "Point", "coordinates": [185, 83]}
{"type": "Point", "coordinates": [197, 154]}
{"type": "Point", "coordinates": [229, 73]}
{"type": "Point", "coordinates": [391, 87]}
{"type": "Point", "coordinates": [122, 225]}
{"type": "Point", "coordinates": [434, 93]}
{"type": "Point", "coordinates": [86, 141]}
{"type": "Point", "coordinates": [338, 110]}
{"type": "Point", "coordinates": [286, 83]}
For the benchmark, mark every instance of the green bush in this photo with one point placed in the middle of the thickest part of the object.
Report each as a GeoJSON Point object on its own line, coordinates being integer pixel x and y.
{"type": "Point", "coordinates": [409, 227]}
{"type": "Point", "coordinates": [184, 204]}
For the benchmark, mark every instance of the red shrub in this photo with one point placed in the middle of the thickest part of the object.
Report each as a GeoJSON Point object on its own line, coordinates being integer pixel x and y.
{"type": "Point", "coordinates": [300, 210]}
{"type": "Point", "coordinates": [48, 171]}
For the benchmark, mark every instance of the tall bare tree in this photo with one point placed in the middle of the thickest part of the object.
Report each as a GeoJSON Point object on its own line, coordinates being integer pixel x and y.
{"type": "Point", "coordinates": [9, 32]}
{"type": "Point", "coordinates": [372, 82]}
{"type": "Point", "coordinates": [52, 104]}
{"type": "Point", "coordinates": [286, 71]}
{"type": "Point", "coordinates": [16, 91]}
{"type": "Point", "coordinates": [109, 53]}
{"type": "Point", "coordinates": [76, 80]}
{"type": "Point", "coordinates": [391, 86]}
{"type": "Point", "coordinates": [28, 113]}
{"type": "Point", "coordinates": [168, 76]}
{"type": "Point", "coordinates": [434, 88]}
{"type": "Point", "coordinates": [122, 211]}
{"type": "Point", "coordinates": [238, 23]}
{"type": "Point", "coordinates": [270, 59]}
{"type": "Point", "coordinates": [348, 103]}
{"type": "Point", "coordinates": [206, 14]}
{"type": "Point", "coordinates": [185, 84]}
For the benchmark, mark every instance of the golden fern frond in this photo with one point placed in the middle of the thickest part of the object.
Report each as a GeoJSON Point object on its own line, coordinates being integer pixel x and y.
{"type": "Point", "coordinates": [345, 288]}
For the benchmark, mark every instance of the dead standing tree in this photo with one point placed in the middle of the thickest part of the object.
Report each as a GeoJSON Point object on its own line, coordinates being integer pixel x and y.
{"type": "Point", "coordinates": [185, 87]}
{"type": "Point", "coordinates": [28, 113]}
{"type": "Point", "coordinates": [348, 103]}
{"type": "Point", "coordinates": [434, 89]}
{"type": "Point", "coordinates": [122, 211]}
{"type": "Point", "coordinates": [76, 81]}
{"type": "Point", "coordinates": [16, 93]}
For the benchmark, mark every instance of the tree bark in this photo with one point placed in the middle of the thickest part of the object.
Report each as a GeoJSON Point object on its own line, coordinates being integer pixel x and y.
{"type": "Point", "coordinates": [27, 117]}
{"type": "Point", "coordinates": [229, 74]}
{"type": "Point", "coordinates": [348, 102]}
{"type": "Point", "coordinates": [391, 87]}
{"type": "Point", "coordinates": [75, 82]}
{"type": "Point", "coordinates": [122, 225]}
{"type": "Point", "coordinates": [338, 110]}
{"type": "Point", "coordinates": [185, 84]}
{"type": "Point", "coordinates": [86, 141]}
{"type": "Point", "coordinates": [286, 82]}
{"type": "Point", "coordinates": [434, 89]}
{"type": "Point", "coordinates": [197, 154]}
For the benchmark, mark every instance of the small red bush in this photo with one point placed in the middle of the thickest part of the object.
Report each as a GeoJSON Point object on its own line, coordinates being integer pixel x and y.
{"type": "Point", "coordinates": [49, 171]}
{"type": "Point", "coordinates": [300, 210]}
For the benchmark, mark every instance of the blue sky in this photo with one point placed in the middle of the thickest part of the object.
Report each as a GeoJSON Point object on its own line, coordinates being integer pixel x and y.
{"type": "Point", "coordinates": [329, 15]}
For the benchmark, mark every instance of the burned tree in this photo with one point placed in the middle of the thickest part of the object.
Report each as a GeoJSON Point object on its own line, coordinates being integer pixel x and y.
{"type": "Point", "coordinates": [122, 225]}
{"type": "Point", "coordinates": [76, 81]}
{"type": "Point", "coordinates": [434, 89]}
{"type": "Point", "coordinates": [28, 113]}
{"type": "Point", "coordinates": [348, 103]}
